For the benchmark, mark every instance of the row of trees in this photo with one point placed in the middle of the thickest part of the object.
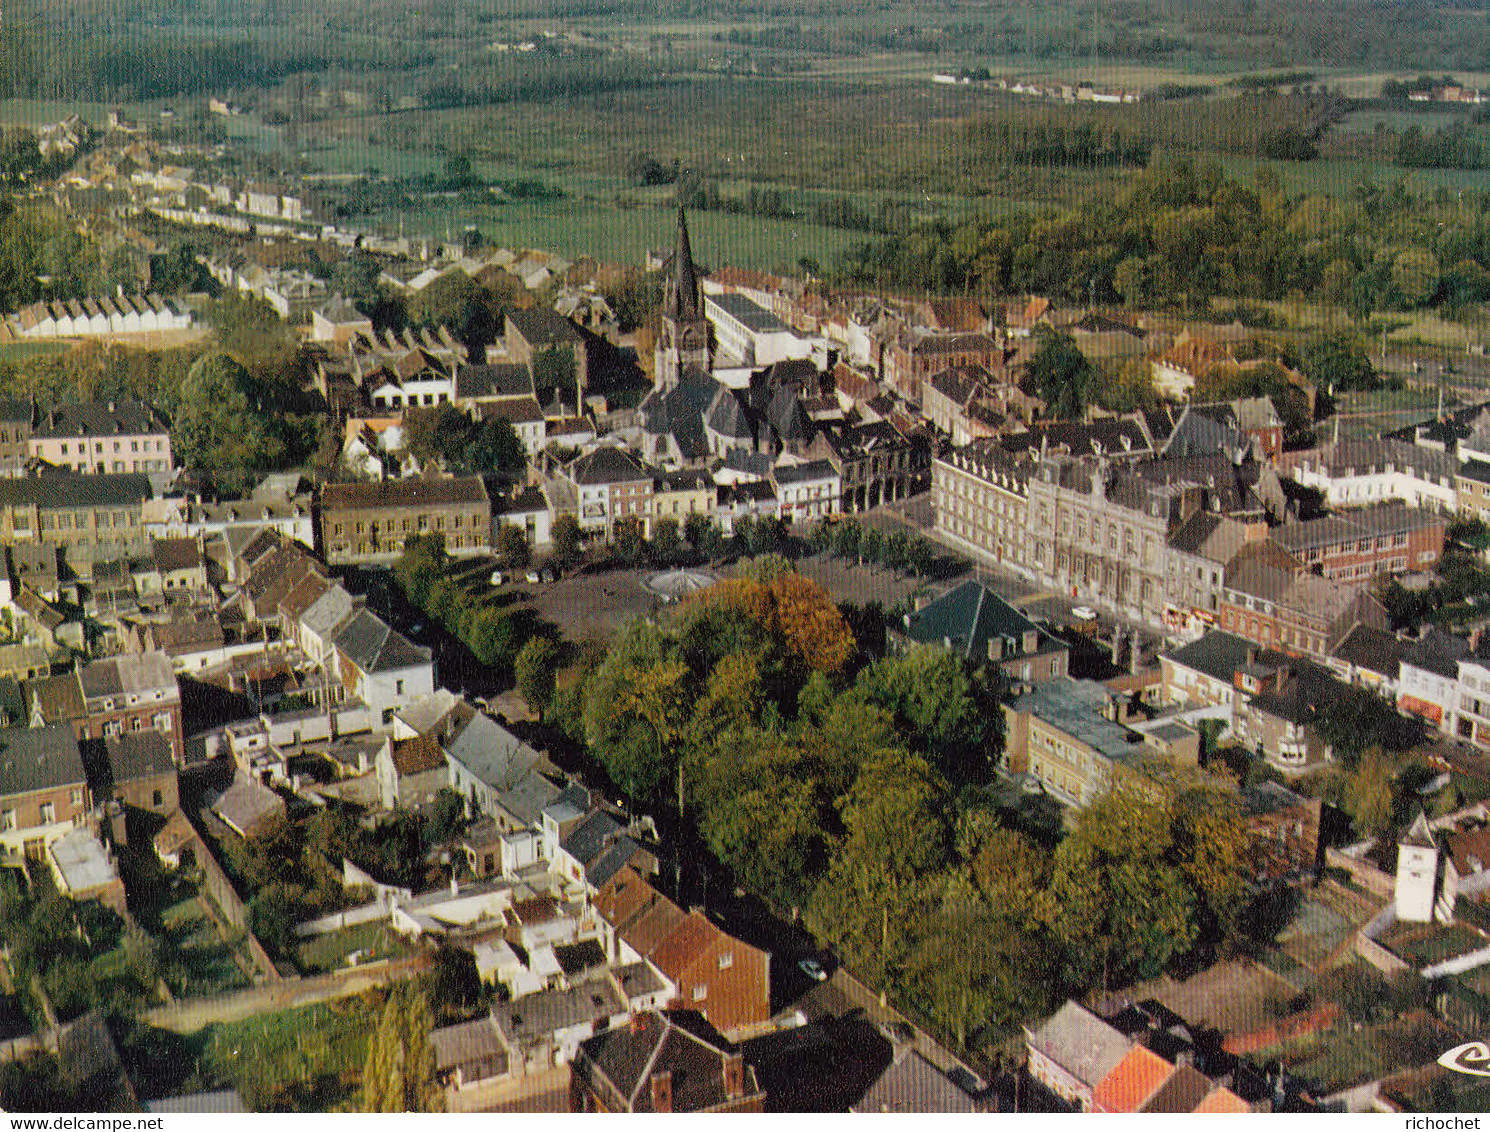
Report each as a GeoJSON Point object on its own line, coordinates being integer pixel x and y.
{"type": "Point", "coordinates": [898, 549]}
{"type": "Point", "coordinates": [1185, 233]}
{"type": "Point", "coordinates": [493, 634]}
{"type": "Point", "coordinates": [853, 794]}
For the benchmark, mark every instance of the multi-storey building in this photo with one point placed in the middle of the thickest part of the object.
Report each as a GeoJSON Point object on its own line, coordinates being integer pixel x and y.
{"type": "Point", "coordinates": [611, 485]}
{"type": "Point", "coordinates": [807, 490]}
{"type": "Point", "coordinates": [1353, 473]}
{"type": "Point", "coordinates": [1195, 561]}
{"type": "Point", "coordinates": [912, 359]}
{"type": "Point", "coordinates": [94, 516]}
{"type": "Point", "coordinates": [43, 789]}
{"type": "Point", "coordinates": [93, 437]}
{"type": "Point", "coordinates": [132, 693]}
{"type": "Point", "coordinates": [369, 522]}
{"type": "Point", "coordinates": [1280, 606]}
{"type": "Point", "coordinates": [15, 436]}
{"type": "Point", "coordinates": [1355, 545]}
{"type": "Point", "coordinates": [1067, 735]}
{"type": "Point", "coordinates": [1099, 533]}
{"type": "Point", "coordinates": [980, 499]}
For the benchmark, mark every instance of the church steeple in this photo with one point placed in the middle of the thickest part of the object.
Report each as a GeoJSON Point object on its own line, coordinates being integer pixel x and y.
{"type": "Point", "coordinates": [681, 301]}
{"type": "Point", "coordinates": [684, 341]}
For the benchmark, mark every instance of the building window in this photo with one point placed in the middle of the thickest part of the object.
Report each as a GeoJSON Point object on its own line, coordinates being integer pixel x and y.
{"type": "Point", "coordinates": [48, 813]}
{"type": "Point", "coordinates": [727, 960]}
{"type": "Point", "coordinates": [76, 797]}
{"type": "Point", "coordinates": [7, 819]}
{"type": "Point", "coordinates": [700, 992]}
{"type": "Point", "coordinates": [156, 798]}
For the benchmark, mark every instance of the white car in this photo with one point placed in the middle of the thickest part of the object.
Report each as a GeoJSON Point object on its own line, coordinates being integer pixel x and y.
{"type": "Point", "coordinates": [532, 577]}
{"type": "Point", "coordinates": [812, 969]}
{"type": "Point", "coordinates": [498, 578]}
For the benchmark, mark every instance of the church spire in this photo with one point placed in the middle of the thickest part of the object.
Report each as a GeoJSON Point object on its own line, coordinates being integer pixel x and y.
{"type": "Point", "coordinates": [682, 301]}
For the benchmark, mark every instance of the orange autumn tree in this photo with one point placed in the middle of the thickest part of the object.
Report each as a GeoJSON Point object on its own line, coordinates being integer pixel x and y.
{"type": "Point", "coordinates": [788, 606]}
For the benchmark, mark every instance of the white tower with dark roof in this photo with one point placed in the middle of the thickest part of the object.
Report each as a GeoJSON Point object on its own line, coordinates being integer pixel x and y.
{"type": "Point", "coordinates": [1419, 861]}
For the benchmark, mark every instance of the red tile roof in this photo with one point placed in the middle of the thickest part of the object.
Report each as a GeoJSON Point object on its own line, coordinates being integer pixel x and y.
{"type": "Point", "coordinates": [1131, 1082]}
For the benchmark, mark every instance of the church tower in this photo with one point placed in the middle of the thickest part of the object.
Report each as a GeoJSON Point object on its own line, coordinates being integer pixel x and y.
{"type": "Point", "coordinates": [684, 341]}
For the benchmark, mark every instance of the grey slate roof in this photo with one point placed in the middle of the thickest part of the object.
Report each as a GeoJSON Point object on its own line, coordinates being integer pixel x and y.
{"type": "Point", "coordinates": [1375, 650]}
{"type": "Point", "coordinates": [541, 327]}
{"type": "Point", "coordinates": [1438, 652]}
{"type": "Point", "coordinates": [373, 646]}
{"type": "Point", "coordinates": [913, 1084]}
{"type": "Point", "coordinates": [493, 381]}
{"type": "Point", "coordinates": [490, 752]}
{"type": "Point", "coordinates": [63, 489]}
{"type": "Point", "coordinates": [138, 754]}
{"type": "Point", "coordinates": [99, 418]}
{"type": "Point", "coordinates": [971, 615]}
{"type": "Point", "coordinates": [607, 465]}
{"type": "Point", "coordinates": [620, 1063]}
{"type": "Point", "coordinates": [751, 314]}
{"type": "Point", "coordinates": [39, 759]}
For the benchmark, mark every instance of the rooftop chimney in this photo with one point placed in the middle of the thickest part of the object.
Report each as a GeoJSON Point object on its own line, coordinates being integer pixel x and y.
{"type": "Point", "coordinates": [734, 1076]}
{"type": "Point", "coordinates": [662, 1091]}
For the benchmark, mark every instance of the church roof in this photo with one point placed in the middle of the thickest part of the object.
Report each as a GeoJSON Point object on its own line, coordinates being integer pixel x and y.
{"type": "Point", "coordinates": [682, 301]}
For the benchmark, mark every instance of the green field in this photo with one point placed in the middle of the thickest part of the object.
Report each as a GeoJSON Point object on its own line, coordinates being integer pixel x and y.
{"type": "Point", "coordinates": [305, 1060]}
{"type": "Point", "coordinates": [329, 952]}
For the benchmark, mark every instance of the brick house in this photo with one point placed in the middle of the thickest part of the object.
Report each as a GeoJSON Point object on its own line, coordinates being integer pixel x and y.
{"type": "Point", "coordinates": [725, 979]}
{"type": "Point", "coordinates": [662, 1063]}
{"type": "Point", "coordinates": [910, 362]}
{"type": "Point", "coordinates": [43, 789]}
{"type": "Point", "coordinates": [140, 772]}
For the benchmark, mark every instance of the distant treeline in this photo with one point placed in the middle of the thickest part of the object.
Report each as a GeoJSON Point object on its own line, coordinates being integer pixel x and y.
{"type": "Point", "coordinates": [1449, 148]}
{"type": "Point", "coordinates": [543, 80]}
{"type": "Point", "coordinates": [1185, 233]}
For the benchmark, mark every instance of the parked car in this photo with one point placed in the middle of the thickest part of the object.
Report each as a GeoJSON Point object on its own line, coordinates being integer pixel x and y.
{"type": "Point", "coordinates": [812, 969]}
{"type": "Point", "coordinates": [498, 578]}
{"type": "Point", "coordinates": [532, 577]}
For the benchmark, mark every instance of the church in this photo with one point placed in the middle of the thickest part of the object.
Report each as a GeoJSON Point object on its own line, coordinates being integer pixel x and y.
{"type": "Point", "coordinates": [691, 419]}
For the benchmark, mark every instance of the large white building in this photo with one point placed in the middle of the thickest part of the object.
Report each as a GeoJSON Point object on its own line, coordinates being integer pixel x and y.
{"type": "Point", "coordinates": [750, 334]}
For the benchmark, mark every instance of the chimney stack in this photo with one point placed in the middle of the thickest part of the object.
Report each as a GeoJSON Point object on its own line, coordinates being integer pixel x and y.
{"type": "Point", "coordinates": [734, 1076]}
{"type": "Point", "coordinates": [662, 1091]}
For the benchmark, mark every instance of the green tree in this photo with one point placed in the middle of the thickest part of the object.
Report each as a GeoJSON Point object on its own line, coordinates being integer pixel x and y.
{"type": "Point", "coordinates": [535, 670]}
{"type": "Point", "coordinates": [222, 430]}
{"type": "Point", "coordinates": [628, 539]}
{"type": "Point", "coordinates": [1150, 873]}
{"type": "Point", "coordinates": [1368, 793]}
{"type": "Point", "coordinates": [883, 874]}
{"type": "Point", "coordinates": [1066, 381]}
{"type": "Point", "coordinates": [666, 545]}
{"type": "Point", "coordinates": [423, 562]}
{"type": "Point", "coordinates": [941, 708]}
{"type": "Point", "coordinates": [847, 536]}
{"type": "Point", "coordinates": [872, 544]}
{"type": "Point", "coordinates": [1338, 362]}
{"type": "Point", "coordinates": [567, 539]}
{"type": "Point", "coordinates": [1415, 275]}
{"type": "Point", "coordinates": [513, 547]}
{"type": "Point", "coordinates": [399, 1075]}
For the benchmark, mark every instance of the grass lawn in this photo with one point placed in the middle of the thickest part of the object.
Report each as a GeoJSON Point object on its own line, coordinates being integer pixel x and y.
{"type": "Point", "coordinates": [1424, 944]}
{"type": "Point", "coordinates": [25, 351]}
{"type": "Point", "coordinates": [328, 952]}
{"type": "Point", "coordinates": [305, 1060]}
{"type": "Point", "coordinates": [205, 963]}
